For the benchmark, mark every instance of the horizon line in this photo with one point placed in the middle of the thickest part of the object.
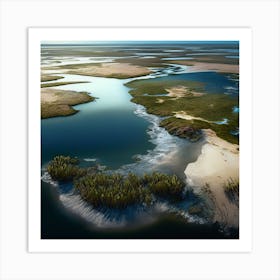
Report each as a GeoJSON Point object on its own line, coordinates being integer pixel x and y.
{"type": "Point", "coordinates": [155, 42]}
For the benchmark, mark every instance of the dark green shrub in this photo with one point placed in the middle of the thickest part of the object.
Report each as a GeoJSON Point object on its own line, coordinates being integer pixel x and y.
{"type": "Point", "coordinates": [166, 186]}
{"type": "Point", "coordinates": [113, 191]}
{"type": "Point", "coordinates": [64, 168]}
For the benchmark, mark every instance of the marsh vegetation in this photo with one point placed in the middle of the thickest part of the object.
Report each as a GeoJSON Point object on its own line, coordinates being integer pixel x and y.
{"type": "Point", "coordinates": [116, 190]}
{"type": "Point", "coordinates": [64, 168]}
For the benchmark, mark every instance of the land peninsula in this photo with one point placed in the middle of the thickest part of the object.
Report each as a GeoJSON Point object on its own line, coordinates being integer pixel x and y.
{"type": "Point", "coordinates": [56, 102]}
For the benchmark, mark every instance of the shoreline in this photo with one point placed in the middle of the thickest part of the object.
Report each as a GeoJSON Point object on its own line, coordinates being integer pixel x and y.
{"type": "Point", "coordinates": [217, 164]}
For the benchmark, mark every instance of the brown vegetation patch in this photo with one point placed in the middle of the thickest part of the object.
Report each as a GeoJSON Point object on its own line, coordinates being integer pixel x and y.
{"type": "Point", "coordinates": [56, 102]}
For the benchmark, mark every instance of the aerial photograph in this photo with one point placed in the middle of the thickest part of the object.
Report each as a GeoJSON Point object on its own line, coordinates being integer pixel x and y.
{"type": "Point", "coordinates": [139, 140]}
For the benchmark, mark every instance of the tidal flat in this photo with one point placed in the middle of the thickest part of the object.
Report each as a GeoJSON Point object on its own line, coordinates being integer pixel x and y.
{"type": "Point", "coordinates": [157, 150]}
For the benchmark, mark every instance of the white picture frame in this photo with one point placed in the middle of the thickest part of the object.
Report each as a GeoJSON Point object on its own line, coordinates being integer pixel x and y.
{"type": "Point", "coordinates": [38, 35]}
{"type": "Point", "coordinates": [261, 262]}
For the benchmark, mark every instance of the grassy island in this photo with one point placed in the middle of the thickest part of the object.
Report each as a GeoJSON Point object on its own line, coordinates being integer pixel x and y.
{"type": "Point", "coordinates": [55, 102]}
{"type": "Point", "coordinates": [187, 107]}
{"type": "Point", "coordinates": [116, 190]}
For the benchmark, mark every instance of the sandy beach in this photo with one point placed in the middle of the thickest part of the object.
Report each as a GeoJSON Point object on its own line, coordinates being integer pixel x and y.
{"type": "Point", "coordinates": [217, 164]}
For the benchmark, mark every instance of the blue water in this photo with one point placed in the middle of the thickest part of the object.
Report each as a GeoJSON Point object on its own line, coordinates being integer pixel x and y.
{"type": "Point", "coordinates": [224, 121]}
{"type": "Point", "coordinates": [235, 109]}
{"type": "Point", "coordinates": [177, 58]}
{"type": "Point", "coordinates": [106, 129]}
{"type": "Point", "coordinates": [213, 82]}
{"type": "Point", "coordinates": [228, 50]}
{"type": "Point", "coordinates": [232, 56]}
